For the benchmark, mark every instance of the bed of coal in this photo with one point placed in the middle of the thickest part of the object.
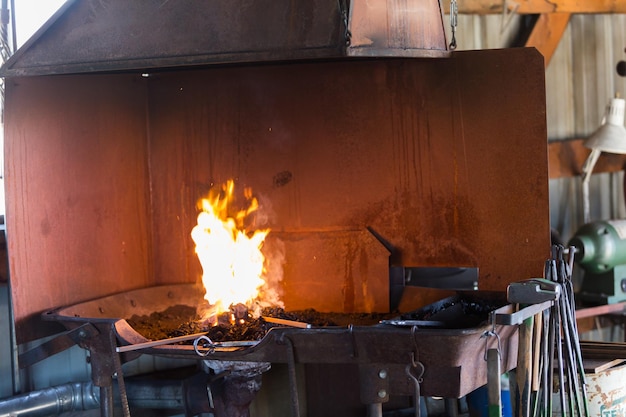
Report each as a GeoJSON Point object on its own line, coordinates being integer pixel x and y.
{"type": "Point", "coordinates": [238, 325]}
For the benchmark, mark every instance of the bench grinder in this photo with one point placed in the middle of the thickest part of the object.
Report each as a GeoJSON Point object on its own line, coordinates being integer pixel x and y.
{"type": "Point", "coordinates": [601, 251]}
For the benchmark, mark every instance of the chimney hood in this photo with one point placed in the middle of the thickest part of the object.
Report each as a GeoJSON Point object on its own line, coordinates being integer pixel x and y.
{"type": "Point", "coordinates": [120, 35]}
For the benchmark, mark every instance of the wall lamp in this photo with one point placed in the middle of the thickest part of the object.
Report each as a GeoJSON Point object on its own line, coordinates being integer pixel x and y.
{"type": "Point", "coordinates": [609, 137]}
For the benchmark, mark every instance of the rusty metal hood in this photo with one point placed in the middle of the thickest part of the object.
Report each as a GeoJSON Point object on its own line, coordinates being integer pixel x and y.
{"type": "Point", "coordinates": [115, 35]}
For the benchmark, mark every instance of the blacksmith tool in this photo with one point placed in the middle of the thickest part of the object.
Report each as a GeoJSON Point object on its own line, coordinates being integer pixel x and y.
{"type": "Point", "coordinates": [534, 296]}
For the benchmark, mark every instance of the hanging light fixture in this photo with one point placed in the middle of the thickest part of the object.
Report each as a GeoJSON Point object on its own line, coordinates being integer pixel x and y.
{"type": "Point", "coordinates": [609, 137]}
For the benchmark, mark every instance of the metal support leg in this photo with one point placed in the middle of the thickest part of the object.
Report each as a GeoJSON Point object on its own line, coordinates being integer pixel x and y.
{"type": "Point", "coordinates": [375, 410]}
{"type": "Point", "coordinates": [106, 401]}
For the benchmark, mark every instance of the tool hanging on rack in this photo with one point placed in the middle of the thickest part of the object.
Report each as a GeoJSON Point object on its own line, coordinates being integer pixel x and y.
{"type": "Point", "coordinates": [564, 342]}
{"type": "Point", "coordinates": [538, 296]}
{"type": "Point", "coordinates": [549, 357]}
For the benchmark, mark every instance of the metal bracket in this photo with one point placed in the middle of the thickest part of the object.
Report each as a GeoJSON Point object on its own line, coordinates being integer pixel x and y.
{"type": "Point", "coordinates": [448, 278]}
{"type": "Point", "coordinates": [58, 344]}
{"type": "Point", "coordinates": [509, 317]}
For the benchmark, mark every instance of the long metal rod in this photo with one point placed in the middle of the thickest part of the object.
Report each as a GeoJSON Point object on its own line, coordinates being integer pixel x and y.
{"type": "Point", "coordinates": [154, 343]}
{"type": "Point", "coordinates": [559, 356]}
{"type": "Point", "coordinates": [543, 405]}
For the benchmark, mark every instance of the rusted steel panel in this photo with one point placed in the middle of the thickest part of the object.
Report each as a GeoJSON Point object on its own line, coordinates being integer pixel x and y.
{"type": "Point", "coordinates": [426, 153]}
{"type": "Point", "coordinates": [353, 263]}
{"type": "Point", "coordinates": [76, 191]}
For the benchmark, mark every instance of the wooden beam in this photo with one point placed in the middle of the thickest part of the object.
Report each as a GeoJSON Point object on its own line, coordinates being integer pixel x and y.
{"type": "Point", "coordinates": [547, 33]}
{"type": "Point", "coordinates": [538, 6]}
{"type": "Point", "coordinates": [566, 158]}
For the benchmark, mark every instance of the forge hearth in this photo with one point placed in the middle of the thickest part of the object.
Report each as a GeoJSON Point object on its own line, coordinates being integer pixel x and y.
{"type": "Point", "coordinates": [394, 344]}
{"type": "Point", "coordinates": [181, 320]}
{"type": "Point", "coordinates": [110, 154]}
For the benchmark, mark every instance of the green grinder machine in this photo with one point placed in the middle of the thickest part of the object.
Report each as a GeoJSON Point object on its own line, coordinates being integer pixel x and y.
{"type": "Point", "coordinates": [601, 252]}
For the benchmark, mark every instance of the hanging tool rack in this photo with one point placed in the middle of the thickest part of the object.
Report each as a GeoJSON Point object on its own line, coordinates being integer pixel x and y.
{"type": "Point", "coordinates": [549, 356]}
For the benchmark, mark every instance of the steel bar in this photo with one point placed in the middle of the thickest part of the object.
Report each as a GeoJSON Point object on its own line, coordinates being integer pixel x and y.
{"type": "Point", "coordinates": [506, 316]}
{"type": "Point", "coordinates": [572, 377]}
{"type": "Point", "coordinates": [550, 364]}
{"type": "Point", "coordinates": [570, 367]}
{"type": "Point", "coordinates": [546, 363]}
{"type": "Point", "coordinates": [572, 330]}
{"type": "Point", "coordinates": [291, 323]}
{"type": "Point", "coordinates": [154, 343]}
{"type": "Point", "coordinates": [559, 357]}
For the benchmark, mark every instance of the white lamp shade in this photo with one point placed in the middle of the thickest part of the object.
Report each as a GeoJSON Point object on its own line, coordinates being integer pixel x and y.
{"type": "Point", "coordinates": [611, 136]}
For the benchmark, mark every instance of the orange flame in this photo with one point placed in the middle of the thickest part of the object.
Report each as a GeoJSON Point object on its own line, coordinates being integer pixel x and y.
{"type": "Point", "coordinates": [230, 255]}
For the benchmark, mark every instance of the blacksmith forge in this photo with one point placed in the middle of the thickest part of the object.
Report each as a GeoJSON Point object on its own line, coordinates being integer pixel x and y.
{"type": "Point", "coordinates": [370, 144]}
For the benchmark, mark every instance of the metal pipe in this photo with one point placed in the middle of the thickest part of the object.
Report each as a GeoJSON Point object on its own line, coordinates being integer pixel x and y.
{"type": "Point", "coordinates": [69, 397]}
{"type": "Point", "coordinates": [78, 396]}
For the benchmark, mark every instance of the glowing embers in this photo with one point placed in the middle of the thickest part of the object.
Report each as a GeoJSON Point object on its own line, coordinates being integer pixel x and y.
{"type": "Point", "coordinates": [229, 249]}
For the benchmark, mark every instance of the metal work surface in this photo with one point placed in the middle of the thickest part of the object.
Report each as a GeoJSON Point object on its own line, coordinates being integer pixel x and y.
{"type": "Point", "coordinates": [451, 372]}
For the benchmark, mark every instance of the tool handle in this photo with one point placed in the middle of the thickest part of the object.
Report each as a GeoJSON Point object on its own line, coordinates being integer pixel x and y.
{"type": "Point", "coordinates": [523, 373]}
{"type": "Point", "coordinates": [494, 389]}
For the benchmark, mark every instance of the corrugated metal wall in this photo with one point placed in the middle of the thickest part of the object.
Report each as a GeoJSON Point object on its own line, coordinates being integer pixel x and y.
{"type": "Point", "coordinates": [580, 80]}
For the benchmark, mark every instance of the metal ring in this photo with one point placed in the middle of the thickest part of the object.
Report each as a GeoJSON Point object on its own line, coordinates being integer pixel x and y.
{"type": "Point", "coordinates": [209, 343]}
